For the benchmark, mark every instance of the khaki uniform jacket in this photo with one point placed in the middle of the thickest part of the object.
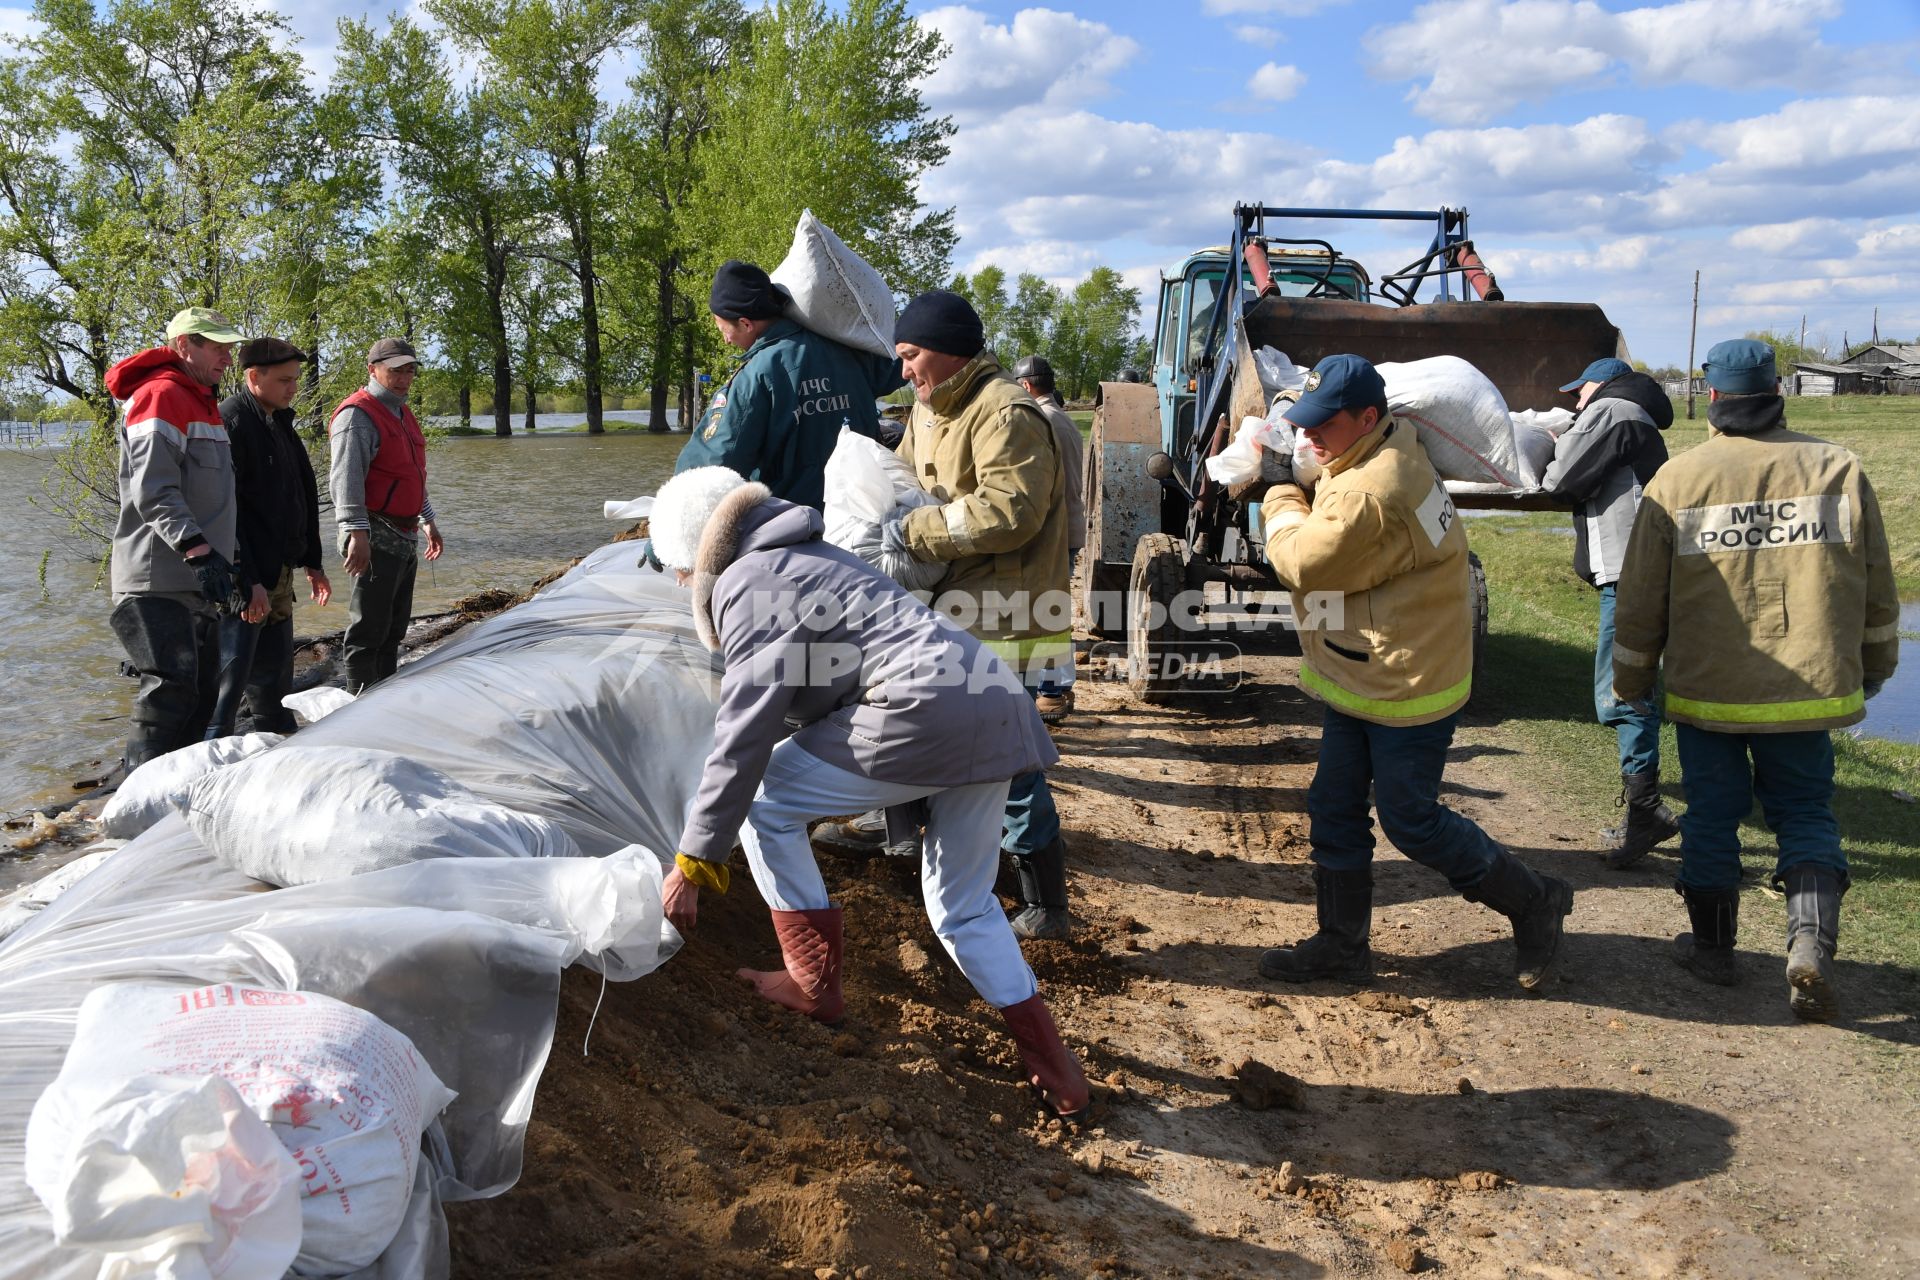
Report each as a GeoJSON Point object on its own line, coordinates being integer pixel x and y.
{"type": "Point", "coordinates": [982, 446]}
{"type": "Point", "coordinates": [1378, 569]}
{"type": "Point", "coordinates": [1759, 571]}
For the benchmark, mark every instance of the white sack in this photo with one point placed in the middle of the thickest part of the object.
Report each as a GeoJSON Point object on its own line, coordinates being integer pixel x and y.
{"type": "Point", "coordinates": [309, 813]}
{"type": "Point", "coordinates": [347, 1096]}
{"type": "Point", "coordinates": [868, 485]}
{"type": "Point", "coordinates": [631, 509]}
{"type": "Point", "coordinates": [21, 905]}
{"type": "Point", "coordinates": [317, 703]}
{"type": "Point", "coordinates": [1460, 416]}
{"type": "Point", "coordinates": [1278, 372]}
{"type": "Point", "coordinates": [159, 786]}
{"type": "Point", "coordinates": [835, 293]}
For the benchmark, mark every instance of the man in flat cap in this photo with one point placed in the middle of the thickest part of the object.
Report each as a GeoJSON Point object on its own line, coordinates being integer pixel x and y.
{"type": "Point", "coordinates": [1759, 587]}
{"type": "Point", "coordinates": [279, 533]}
{"type": "Point", "coordinates": [174, 543]}
{"type": "Point", "coordinates": [380, 505]}
{"type": "Point", "coordinates": [1035, 376]}
{"type": "Point", "coordinates": [981, 444]}
{"type": "Point", "coordinates": [1601, 464]}
{"type": "Point", "coordinates": [1393, 666]}
{"type": "Point", "coordinates": [778, 417]}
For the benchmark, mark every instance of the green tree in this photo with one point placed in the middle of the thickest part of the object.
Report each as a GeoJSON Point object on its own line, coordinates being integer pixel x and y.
{"type": "Point", "coordinates": [1031, 314]}
{"type": "Point", "coordinates": [1094, 332]}
{"type": "Point", "coordinates": [986, 289]}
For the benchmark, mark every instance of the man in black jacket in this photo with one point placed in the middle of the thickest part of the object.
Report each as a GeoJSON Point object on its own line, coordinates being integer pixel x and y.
{"type": "Point", "coordinates": [1601, 464]}
{"type": "Point", "coordinates": [279, 532]}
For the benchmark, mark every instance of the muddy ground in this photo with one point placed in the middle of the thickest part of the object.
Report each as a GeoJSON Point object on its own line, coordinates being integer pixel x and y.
{"type": "Point", "coordinates": [1624, 1121]}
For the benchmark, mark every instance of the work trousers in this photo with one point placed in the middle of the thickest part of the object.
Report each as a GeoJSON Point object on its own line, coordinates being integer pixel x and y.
{"type": "Point", "coordinates": [378, 614]}
{"type": "Point", "coordinates": [1722, 774]}
{"type": "Point", "coordinates": [172, 643]}
{"type": "Point", "coordinates": [1032, 820]}
{"type": "Point", "coordinates": [959, 858]}
{"type": "Point", "coordinates": [1638, 735]}
{"type": "Point", "coordinates": [1402, 764]}
{"type": "Point", "coordinates": [256, 668]}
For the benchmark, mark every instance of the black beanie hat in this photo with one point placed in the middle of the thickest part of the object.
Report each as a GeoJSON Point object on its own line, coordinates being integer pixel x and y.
{"type": "Point", "coordinates": [941, 321]}
{"type": "Point", "coordinates": [742, 291]}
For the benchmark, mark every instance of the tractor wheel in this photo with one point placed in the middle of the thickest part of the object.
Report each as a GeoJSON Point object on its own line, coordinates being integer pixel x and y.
{"type": "Point", "coordinates": [1159, 576]}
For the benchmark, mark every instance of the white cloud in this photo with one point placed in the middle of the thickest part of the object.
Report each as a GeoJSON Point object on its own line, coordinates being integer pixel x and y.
{"type": "Point", "coordinates": [16, 25]}
{"type": "Point", "coordinates": [1479, 58]}
{"type": "Point", "coordinates": [1265, 37]}
{"type": "Point", "coordinates": [1802, 238]}
{"type": "Point", "coordinates": [1276, 83]}
{"type": "Point", "coordinates": [1040, 56]}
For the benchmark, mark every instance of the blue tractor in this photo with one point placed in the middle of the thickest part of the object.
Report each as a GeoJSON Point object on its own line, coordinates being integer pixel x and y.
{"type": "Point", "coordinates": [1162, 535]}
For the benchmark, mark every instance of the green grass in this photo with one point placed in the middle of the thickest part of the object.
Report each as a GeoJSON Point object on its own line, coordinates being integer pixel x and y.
{"type": "Point", "coordinates": [1538, 681]}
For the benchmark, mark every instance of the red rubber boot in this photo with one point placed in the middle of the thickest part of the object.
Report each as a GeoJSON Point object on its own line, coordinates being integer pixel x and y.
{"type": "Point", "coordinates": [1051, 1066]}
{"type": "Point", "coordinates": [811, 945]}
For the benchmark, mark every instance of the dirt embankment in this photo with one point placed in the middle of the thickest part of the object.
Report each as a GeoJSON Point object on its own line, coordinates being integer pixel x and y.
{"type": "Point", "coordinates": [1625, 1121]}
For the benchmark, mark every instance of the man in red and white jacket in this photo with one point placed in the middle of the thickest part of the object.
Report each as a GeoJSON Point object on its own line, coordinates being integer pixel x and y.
{"type": "Point", "coordinates": [379, 483]}
{"type": "Point", "coordinates": [174, 544]}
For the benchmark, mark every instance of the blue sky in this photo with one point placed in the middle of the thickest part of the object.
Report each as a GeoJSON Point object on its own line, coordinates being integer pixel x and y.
{"type": "Point", "coordinates": [1605, 151]}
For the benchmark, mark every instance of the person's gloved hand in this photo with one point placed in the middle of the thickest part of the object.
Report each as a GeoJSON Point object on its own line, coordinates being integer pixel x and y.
{"type": "Point", "coordinates": [893, 539]}
{"type": "Point", "coordinates": [1276, 465]}
{"type": "Point", "coordinates": [215, 572]}
{"type": "Point", "coordinates": [1872, 687]}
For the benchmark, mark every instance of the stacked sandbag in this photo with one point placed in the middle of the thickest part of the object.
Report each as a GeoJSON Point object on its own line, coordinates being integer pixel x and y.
{"type": "Point", "coordinates": [868, 486]}
{"type": "Point", "coordinates": [303, 814]}
{"type": "Point", "coordinates": [159, 787]}
{"type": "Point", "coordinates": [231, 1130]}
{"type": "Point", "coordinates": [1461, 418]}
{"type": "Point", "coordinates": [835, 293]}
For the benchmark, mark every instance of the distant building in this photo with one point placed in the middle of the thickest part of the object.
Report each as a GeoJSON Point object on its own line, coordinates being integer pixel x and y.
{"type": "Point", "coordinates": [1886, 353]}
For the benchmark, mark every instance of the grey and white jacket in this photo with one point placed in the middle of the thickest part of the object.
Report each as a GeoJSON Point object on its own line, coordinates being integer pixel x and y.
{"type": "Point", "coordinates": [821, 646]}
{"type": "Point", "coordinates": [1602, 464]}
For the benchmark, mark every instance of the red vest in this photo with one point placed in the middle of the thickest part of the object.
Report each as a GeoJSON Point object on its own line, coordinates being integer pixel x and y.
{"type": "Point", "coordinates": [397, 478]}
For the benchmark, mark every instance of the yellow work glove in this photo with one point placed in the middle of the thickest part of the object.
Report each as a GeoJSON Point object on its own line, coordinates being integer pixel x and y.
{"type": "Point", "coordinates": [703, 874]}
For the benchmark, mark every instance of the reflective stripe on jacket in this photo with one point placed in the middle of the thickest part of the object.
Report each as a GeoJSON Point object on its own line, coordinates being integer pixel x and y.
{"type": "Point", "coordinates": [1759, 578]}
{"type": "Point", "coordinates": [176, 476]}
{"type": "Point", "coordinates": [1378, 569]}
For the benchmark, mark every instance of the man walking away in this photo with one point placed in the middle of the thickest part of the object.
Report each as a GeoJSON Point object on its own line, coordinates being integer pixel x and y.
{"type": "Point", "coordinates": [174, 543]}
{"type": "Point", "coordinates": [1602, 464]}
{"type": "Point", "coordinates": [1760, 579]}
{"type": "Point", "coordinates": [279, 532]}
{"type": "Point", "coordinates": [379, 483]}
{"type": "Point", "coordinates": [1394, 666]}
{"type": "Point", "coordinates": [1035, 376]}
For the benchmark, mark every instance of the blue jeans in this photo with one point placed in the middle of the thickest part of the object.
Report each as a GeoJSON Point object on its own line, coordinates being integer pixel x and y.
{"type": "Point", "coordinates": [1639, 735]}
{"type": "Point", "coordinates": [1032, 821]}
{"type": "Point", "coordinates": [1791, 774]}
{"type": "Point", "coordinates": [1403, 764]}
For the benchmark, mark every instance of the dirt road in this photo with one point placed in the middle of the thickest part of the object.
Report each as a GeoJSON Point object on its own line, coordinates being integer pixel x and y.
{"type": "Point", "coordinates": [1623, 1121]}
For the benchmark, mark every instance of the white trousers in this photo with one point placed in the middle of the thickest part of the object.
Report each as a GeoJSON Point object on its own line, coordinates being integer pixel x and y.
{"type": "Point", "coordinates": [959, 861]}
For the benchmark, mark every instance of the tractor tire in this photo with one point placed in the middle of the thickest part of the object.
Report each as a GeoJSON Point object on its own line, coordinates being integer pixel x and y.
{"type": "Point", "coordinates": [1159, 577]}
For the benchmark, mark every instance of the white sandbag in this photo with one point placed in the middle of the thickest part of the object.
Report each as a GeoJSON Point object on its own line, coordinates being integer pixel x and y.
{"type": "Point", "coordinates": [347, 1096]}
{"type": "Point", "coordinates": [308, 813]}
{"type": "Point", "coordinates": [868, 485]}
{"type": "Point", "coordinates": [631, 509]}
{"type": "Point", "coordinates": [1460, 416]}
{"type": "Point", "coordinates": [317, 703]}
{"type": "Point", "coordinates": [1278, 372]}
{"type": "Point", "coordinates": [158, 787]}
{"type": "Point", "coordinates": [835, 293]}
{"type": "Point", "coordinates": [21, 905]}
{"type": "Point", "coordinates": [1239, 462]}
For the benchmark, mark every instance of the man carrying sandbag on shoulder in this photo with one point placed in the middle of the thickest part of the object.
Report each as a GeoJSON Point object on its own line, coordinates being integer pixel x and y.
{"type": "Point", "coordinates": [778, 417]}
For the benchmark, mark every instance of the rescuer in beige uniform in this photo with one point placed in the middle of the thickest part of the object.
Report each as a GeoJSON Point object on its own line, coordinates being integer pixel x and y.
{"type": "Point", "coordinates": [1759, 571]}
{"type": "Point", "coordinates": [1378, 567]}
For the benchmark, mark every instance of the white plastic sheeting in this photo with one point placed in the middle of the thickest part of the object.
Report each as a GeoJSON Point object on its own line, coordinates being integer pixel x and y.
{"type": "Point", "coordinates": [159, 786]}
{"type": "Point", "coordinates": [592, 705]}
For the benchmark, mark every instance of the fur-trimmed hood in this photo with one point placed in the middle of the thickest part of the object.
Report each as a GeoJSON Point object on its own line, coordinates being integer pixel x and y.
{"type": "Point", "coordinates": [748, 519]}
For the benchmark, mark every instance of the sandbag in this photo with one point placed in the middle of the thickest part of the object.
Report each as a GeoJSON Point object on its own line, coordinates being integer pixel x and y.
{"type": "Point", "coordinates": [129, 1127]}
{"type": "Point", "coordinates": [1460, 416]}
{"type": "Point", "coordinates": [868, 485]}
{"type": "Point", "coordinates": [159, 786]}
{"type": "Point", "coordinates": [835, 293]}
{"type": "Point", "coordinates": [317, 703]}
{"type": "Point", "coordinates": [1534, 434]}
{"type": "Point", "coordinates": [309, 813]}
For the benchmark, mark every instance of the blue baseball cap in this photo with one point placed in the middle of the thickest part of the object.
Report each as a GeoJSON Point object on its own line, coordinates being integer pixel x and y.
{"type": "Point", "coordinates": [1742, 366]}
{"type": "Point", "coordinates": [1336, 383]}
{"type": "Point", "coordinates": [1599, 371]}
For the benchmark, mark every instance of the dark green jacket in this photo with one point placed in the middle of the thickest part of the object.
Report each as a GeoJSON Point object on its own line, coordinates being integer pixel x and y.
{"type": "Point", "coordinates": [778, 417]}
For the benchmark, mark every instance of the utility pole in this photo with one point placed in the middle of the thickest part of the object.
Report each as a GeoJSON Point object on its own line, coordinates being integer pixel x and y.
{"type": "Point", "coordinates": [1803, 331]}
{"type": "Point", "coordinates": [1693, 335]}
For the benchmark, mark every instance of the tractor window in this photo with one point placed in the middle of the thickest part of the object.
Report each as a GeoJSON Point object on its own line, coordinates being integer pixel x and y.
{"type": "Point", "coordinates": [1169, 323]}
{"type": "Point", "coordinates": [1202, 296]}
{"type": "Point", "coordinates": [1297, 284]}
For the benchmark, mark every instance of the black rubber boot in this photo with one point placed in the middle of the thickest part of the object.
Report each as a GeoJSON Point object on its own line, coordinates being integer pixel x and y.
{"type": "Point", "coordinates": [1649, 821]}
{"type": "Point", "coordinates": [1813, 935]}
{"type": "Point", "coordinates": [1707, 952]}
{"type": "Point", "coordinates": [1343, 905]}
{"type": "Point", "coordinates": [1537, 905]}
{"type": "Point", "coordinates": [1043, 892]}
{"type": "Point", "coordinates": [263, 709]}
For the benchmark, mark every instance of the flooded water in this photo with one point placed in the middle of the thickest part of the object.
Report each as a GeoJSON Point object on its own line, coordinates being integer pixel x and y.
{"type": "Point", "coordinates": [1896, 712]}
{"type": "Point", "coordinates": [511, 510]}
